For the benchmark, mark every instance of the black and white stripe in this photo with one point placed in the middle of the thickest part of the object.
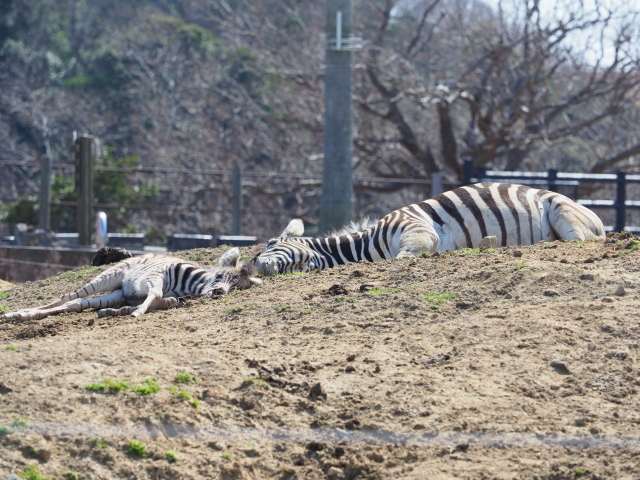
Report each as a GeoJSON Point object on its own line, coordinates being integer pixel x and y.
{"type": "Point", "coordinates": [460, 218]}
{"type": "Point", "coordinates": [148, 282]}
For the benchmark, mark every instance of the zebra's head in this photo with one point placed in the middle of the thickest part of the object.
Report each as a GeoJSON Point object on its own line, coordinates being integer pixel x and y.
{"type": "Point", "coordinates": [286, 253]}
{"type": "Point", "coordinates": [229, 275]}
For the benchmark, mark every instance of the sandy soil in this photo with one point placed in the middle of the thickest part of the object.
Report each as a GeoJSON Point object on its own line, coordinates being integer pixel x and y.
{"type": "Point", "coordinates": [512, 363]}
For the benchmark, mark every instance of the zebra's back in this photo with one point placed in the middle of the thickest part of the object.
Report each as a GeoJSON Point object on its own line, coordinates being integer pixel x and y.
{"type": "Point", "coordinates": [515, 214]}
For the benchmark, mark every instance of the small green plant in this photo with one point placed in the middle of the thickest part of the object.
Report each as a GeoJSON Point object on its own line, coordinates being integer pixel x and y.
{"type": "Point", "coordinates": [439, 298]}
{"type": "Point", "coordinates": [258, 381]}
{"type": "Point", "coordinates": [137, 449]}
{"type": "Point", "coordinates": [377, 291]}
{"type": "Point", "coordinates": [171, 456]}
{"type": "Point", "coordinates": [521, 266]}
{"type": "Point", "coordinates": [159, 416]}
{"type": "Point", "coordinates": [233, 310]}
{"type": "Point", "coordinates": [19, 423]}
{"type": "Point", "coordinates": [73, 276]}
{"type": "Point", "coordinates": [227, 455]}
{"type": "Point", "coordinates": [4, 430]}
{"type": "Point", "coordinates": [4, 293]}
{"type": "Point", "coordinates": [30, 472]}
{"type": "Point", "coordinates": [150, 387]}
{"type": "Point", "coordinates": [306, 310]}
{"type": "Point", "coordinates": [579, 471]}
{"type": "Point", "coordinates": [107, 457]}
{"type": "Point", "coordinates": [11, 347]}
{"type": "Point", "coordinates": [226, 410]}
{"type": "Point", "coordinates": [4, 307]}
{"type": "Point", "coordinates": [183, 394]}
{"type": "Point", "coordinates": [107, 385]}
{"type": "Point", "coordinates": [284, 308]}
{"type": "Point", "coordinates": [225, 300]}
{"type": "Point", "coordinates": [98, 443]}
{"type": "Point", "coordinates": [182, 377]}
{"type": "Point", "coordinates": [41, 297]}
{"type": "Point", "coordinates": [289, 274]}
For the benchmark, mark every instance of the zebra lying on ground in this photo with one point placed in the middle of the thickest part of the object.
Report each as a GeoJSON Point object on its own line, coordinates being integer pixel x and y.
{"type": "Point", "coordinates": [461, 218]}
{"type": "Point", "coordinates": [149, 282]}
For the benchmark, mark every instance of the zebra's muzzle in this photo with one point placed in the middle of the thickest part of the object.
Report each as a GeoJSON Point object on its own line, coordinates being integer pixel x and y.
{"type": "Point", "coordinates": [267, 268]}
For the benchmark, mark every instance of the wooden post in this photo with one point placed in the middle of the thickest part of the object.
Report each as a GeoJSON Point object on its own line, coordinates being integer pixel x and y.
{"type": "Point", "coordinates": [336, 202]}
{"type": "Point", "coordinates": [621, 201]}
{"type": "Point", "coordinates": [236, 224]}
{"type": "Point", "coordinates": [44, 220]}
{"type": "Point", "coordinates": [84, 190]}
{"type": "Point", "coordinates": [467, 172]}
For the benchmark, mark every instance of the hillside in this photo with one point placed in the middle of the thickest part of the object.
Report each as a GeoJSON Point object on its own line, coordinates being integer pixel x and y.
{"type": "Point", "coordinates": [513, 363]}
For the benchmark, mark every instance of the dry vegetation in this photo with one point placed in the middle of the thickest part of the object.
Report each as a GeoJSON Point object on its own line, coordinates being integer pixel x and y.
{"type": "Point", "coordinates": [512, 363]}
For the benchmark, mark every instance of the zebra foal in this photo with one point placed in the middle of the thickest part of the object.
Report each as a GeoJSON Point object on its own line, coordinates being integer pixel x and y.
{"type": "Point", "coordinates": [148, 282]}
{"type": "Point", "coordinates": [460, 218]}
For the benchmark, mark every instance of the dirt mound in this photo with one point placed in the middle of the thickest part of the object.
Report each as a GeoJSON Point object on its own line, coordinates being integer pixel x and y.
{"type": "Point", "coordinates": [508, 363]}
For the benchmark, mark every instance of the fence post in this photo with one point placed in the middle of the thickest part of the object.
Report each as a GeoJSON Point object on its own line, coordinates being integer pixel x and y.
{"type": "Point", "coordinates": [236, 223]}
{"type": "Point", "coordinates": [467, 171]}
{"type": "Point", "coordinates": [436, 183]}
{"type": "Point", "coordinates": [44, 221]}
{"type": "Point", "coordinates": [552, 177]}
{"type": "Point", "coordinates": [621, 200]}
{"type": "Point", "coordinates": [84, 190]}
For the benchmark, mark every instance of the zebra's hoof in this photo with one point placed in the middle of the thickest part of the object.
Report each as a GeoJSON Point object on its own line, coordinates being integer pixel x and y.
{"type": "Point", "coordinates": [9, 316]}
{"type": "Point", "coordinates": [136, 314]}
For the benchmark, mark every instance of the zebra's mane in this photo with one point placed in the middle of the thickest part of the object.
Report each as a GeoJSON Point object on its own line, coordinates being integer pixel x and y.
{"type": "Point", "coordinates": [354, 226]}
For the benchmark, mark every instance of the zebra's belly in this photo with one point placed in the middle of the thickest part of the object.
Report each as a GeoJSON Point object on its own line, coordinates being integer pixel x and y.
{"type": "Point", "coordinates": [456, 238]}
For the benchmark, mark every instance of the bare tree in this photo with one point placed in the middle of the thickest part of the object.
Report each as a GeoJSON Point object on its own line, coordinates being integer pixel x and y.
{"type": "Point", "coordinates": [460, 81]}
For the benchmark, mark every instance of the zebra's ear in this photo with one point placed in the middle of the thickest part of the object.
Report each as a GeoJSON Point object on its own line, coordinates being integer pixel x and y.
{"type": "Point", "coordinates": [294, 229]}
{"type": "Point", "coordinates": [230, 258]}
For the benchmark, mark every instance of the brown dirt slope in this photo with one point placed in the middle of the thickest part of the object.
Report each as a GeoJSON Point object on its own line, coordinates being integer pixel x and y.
{"type": "Point", "coordinates": [512, 363]}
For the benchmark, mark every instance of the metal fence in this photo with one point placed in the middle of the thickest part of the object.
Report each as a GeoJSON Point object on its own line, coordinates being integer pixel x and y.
{"type": "Point", "coordinates": [616, 186]}
{"type": "Point", "coordinates": [262, 203]}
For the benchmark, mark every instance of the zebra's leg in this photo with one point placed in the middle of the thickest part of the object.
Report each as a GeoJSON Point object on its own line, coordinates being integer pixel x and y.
{"type": "Point", "coordinates": [113, 299]}
{"type": "Point", "coordinates": [161, 304]}
{"type": "Point", "coordinates": [107, 281]}
{"type": "Point", "coordinates": [571, 221]}
{"type": "Point", "coordinates": [416, 241]}
{"type": "Point", "coordinates": [154, 289]}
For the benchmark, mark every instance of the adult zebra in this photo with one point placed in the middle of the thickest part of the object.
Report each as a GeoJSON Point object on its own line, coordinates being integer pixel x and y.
{"type": "Point", "coordinates": [460, 218]}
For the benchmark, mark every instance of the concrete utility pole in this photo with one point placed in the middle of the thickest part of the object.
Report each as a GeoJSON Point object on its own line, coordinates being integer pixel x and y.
{"type": "Point", "coordinates": [336, 203]}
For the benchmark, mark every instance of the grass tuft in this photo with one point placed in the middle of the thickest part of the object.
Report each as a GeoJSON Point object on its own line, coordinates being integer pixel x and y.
{"type": "Point", "coordinates": [150, 387]}
{"type": "Point", "coordinates": [438, 298]}
{"type": "Point", "coordinates": [182, 377]}
{"type": "Point", "coordinates": [31, 472]}
{"type": "Point", "coordinates": [171, 456]}
{"type": "Point", "coordinates": [137, 449]}
{"type": "Point", "coordinates": [107, 385]}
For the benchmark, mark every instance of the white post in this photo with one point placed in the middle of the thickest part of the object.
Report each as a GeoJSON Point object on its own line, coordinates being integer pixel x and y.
{"type": "Point", "coordinates": [101, 229]}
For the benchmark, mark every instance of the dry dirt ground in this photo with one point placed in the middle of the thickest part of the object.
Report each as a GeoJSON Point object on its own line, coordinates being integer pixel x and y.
{"type": "Point", "coordinates": [511, 363]}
